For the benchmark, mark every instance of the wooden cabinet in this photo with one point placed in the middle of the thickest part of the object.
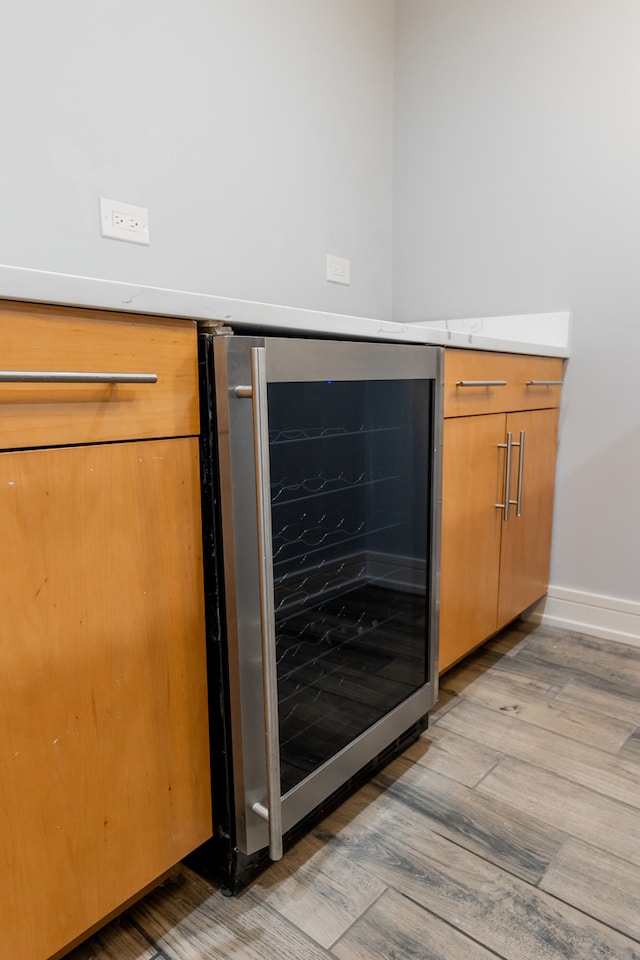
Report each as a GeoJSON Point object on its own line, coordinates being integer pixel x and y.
{"type": "Point", "coordinates": [501, 414]}
{"type": "Point", "coordinates": [104, 780]}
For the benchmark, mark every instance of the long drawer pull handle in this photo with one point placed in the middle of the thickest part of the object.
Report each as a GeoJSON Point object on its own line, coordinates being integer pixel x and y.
{"type": "Point", "coordinates": [481, 383]}
{"type": "Point", "coordinates": [544, 383]}
{"type": "Point", "coordinates": [73, 376]}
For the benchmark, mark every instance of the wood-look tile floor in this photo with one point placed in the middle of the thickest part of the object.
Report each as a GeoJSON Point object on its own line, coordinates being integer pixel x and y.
{"type": "Point", "coordinates": [511, 829]}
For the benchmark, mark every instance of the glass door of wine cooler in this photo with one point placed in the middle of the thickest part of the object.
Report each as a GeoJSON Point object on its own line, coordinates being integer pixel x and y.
{"type": "Point", "coordinates": [331, 457]}
{"type": "Point", "coordinates": [350, 532]}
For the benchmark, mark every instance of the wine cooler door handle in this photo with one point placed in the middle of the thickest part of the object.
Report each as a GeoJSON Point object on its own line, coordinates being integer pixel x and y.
{"type": "Point", "coordinates": [272, 812]}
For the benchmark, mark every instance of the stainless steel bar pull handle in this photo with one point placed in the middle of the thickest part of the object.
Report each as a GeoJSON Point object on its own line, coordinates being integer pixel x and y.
{"type": "Point", "coordinates": [507, 476]}
{"type": "Point", "coordinates": [272, 812]}
{"type": "Point", "coordinates": [73, 376]}
{"type": "Point", "coordinates": [520, 475]}
{"type": "Point", "coordinates": [544, 383]}
{"type": "Point", "coordinates": [508, 502]}
{"type": "Point", "coordinates": [481, 383]}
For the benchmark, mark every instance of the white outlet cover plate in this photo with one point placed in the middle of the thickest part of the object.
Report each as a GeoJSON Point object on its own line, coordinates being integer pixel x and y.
{"type": "Point", "coordinates": [123, 221]}
{"type": "Point", "coordinates": [338, 269]}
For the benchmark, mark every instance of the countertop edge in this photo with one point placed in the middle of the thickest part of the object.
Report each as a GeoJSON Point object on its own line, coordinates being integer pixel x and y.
{"type": "Point", "coordinates": [41, 286]}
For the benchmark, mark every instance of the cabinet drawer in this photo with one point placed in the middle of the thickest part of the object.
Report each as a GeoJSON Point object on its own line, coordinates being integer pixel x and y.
{"type": "Point", "coordinates": [61, 339]}
{"type": "Point", "coordinates": [465, 372]}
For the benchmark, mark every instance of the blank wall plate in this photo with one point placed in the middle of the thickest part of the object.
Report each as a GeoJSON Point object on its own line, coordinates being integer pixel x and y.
{"type": "Point", "coordinates": [338, 269]}
{"type": "Point", "coordinates": [122, 221]}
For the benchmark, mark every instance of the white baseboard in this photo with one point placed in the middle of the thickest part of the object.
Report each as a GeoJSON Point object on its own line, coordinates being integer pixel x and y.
{"type": "Point", "coordinates": [608, 617]}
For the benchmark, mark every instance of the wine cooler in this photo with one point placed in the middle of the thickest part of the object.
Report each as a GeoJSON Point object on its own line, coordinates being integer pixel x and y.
{"type": "Point", "coordinates": [321, 497]}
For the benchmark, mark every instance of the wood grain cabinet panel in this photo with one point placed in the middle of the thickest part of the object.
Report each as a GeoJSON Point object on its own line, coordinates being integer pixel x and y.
{"type": "Point", "coordinates": [470, 533]}
{"type": "Point", "coordinates": [526, 539]}
{"type": "Point", "coordinates": [493, 567]}
{"type": "Point", "coordinates": [46, 339]}
{"type": "Point", "coordinates": [104, 762]}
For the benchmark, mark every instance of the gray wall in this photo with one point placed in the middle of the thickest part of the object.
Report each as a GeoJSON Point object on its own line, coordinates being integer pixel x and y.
{"type": "Point", "coordinates": [517, 189]}
{"type": "Point", "coordinates": [257, 132]}
{"type": "Point", "coordinates": [259, 135]}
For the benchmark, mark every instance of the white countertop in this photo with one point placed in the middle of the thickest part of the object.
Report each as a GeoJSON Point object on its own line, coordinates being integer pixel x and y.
{"type": "Point", "coordinates": [546, 334]}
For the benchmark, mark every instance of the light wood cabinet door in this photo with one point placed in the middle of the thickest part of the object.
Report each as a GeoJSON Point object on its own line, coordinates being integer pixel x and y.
{"type": "Point", "coordinates": [526, 539]}
{"type": "Point", "coordinates": [103, 716]}
{"type": "Point", "coordinates": [472, 484]}
{"type": "Point", "coordinates": [493, 568]}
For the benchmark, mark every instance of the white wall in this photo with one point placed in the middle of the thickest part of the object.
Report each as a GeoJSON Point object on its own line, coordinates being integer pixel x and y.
{"type": "Point", "coordinates": [517, 189]}
{"type": "Point", "coordinates": [257, 132]}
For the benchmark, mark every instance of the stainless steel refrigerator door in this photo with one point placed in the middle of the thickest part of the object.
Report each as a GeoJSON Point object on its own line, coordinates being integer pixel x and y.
{"type": "Point", "coordinates": [291, 374]}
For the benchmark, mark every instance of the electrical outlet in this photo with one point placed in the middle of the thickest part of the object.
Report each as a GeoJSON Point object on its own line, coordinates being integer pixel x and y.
{"type": "Point", "coordinates": [338, 269]}
{"type": "Point", "coordinates": [122, 221]}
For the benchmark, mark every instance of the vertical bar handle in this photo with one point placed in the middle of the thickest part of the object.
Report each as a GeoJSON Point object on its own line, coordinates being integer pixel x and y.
{"type": "Point", "coordinates": [272, 812]}
{"type": "Point", "coordinates": [520, 475]}
{"type": "Point", "coordinates": [507, 476]}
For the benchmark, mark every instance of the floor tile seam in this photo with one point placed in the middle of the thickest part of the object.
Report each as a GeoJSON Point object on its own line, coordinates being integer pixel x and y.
{"type": "Point", "coordinates": [527, 763]}
{"type": "Point", "coordinates": [472, 853]}
{"type": "Point", "coordinates": [597, 849]}
{"type": "Point", "coordinates": [572, 669]}
{"type": "Point", "coordinates": [569, 740]}
{"type": "Point", "coordinates": [531, 817]}
{"type": "Point", "coordinates": [565, 834]}
{"type": "Point", "coordinates": [364, 913]}
{"type": "Point", "coordinates": [500, 711]}
{"type": "Point", "coordinates": [634, 735]}
{"type": "Point", "coordinates": [606, 716]}
{"type": "Point", "coordinates": [460, 783]}
{"type": "Point", "coordinates": [457, 783]}
{"type": "Point", "coordinates": [445, 709]}
{"type": "Point", "coordinates": [263, 903]}
{"type": "Point", "coordinates": [463, 736]}
{"type": "Point", "coordinates": [500, 866]}
{"type": "Point", "coordinates": [258, 902]}
{"type": "Point", "coordinates": [451, 926]}
{"type": "Point", "coordinates": [578, 678]}
{"type": "Point", "coordinates": [135, 923]}
{"type": "Point", "coordinates": [507, 873]}
{"type": "Point", "coordinates": [617, 684]}
{"type": "Point", "coordinates": [585, 913]}
{"type": "Point", "coordinates": [498, 673]}
{"type": "Point", "coordinates": [534, 886]}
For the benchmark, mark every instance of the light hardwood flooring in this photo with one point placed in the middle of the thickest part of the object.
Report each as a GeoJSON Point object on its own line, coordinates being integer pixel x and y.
{"type": "Point", "coordinates": [511, 829]}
